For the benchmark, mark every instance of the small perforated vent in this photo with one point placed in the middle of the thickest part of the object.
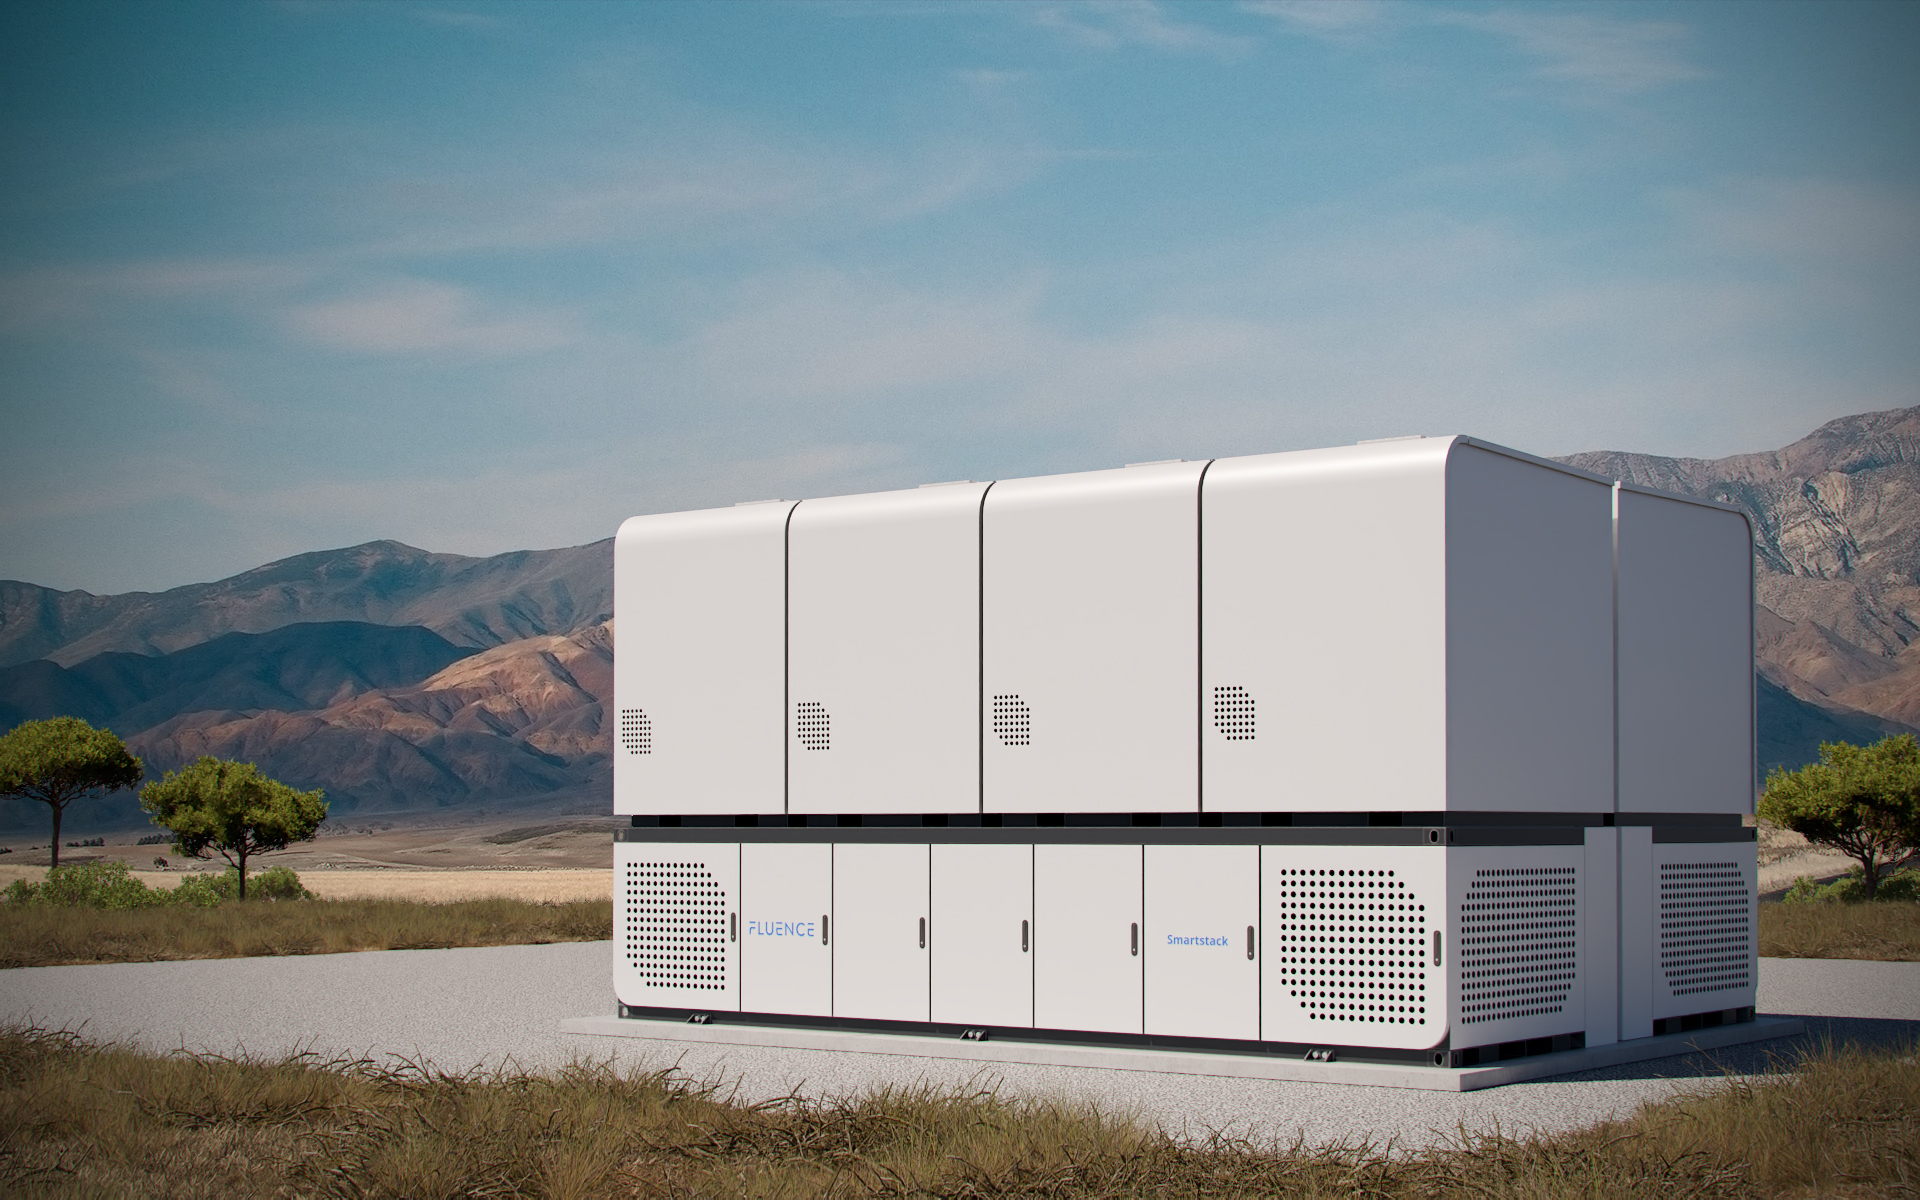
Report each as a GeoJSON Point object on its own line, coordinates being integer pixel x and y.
{"type": "Point", "coordinates": [811, 723]}
{"type": "Point", "coordinates": [1012, 720]}
{"type": "Point", "coordinates": [1705, 927]}
{"type": "Point", "coordinates": [1518, 942]}
{"type": "Point", "coordinates": [636, 732]}
{"type": "Point", "coordinates": [676, 925]}
{"type": "Point", "coordinates": [1233, 713]}
{"type": "Point", "coordinates": [1353, 946]}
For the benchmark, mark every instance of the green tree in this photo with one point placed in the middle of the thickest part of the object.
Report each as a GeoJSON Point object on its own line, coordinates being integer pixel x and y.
{"type": "Point", "coordinates": [1864, 802]}
{"type": "Point", "coordinates": [58, 761]}
{"type": "Point", "coordinates": [230, 807]}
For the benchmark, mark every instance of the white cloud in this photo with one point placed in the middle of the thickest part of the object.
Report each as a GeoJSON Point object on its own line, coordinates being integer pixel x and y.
{"type": "Point", "coordinates": [417, 316]}
{"type": "Point", "coordinates": [1332, 19]}
{"type": "Point", "coordinates": [1111, 24]}
{"type": "Point", "coordinates": [1617, 56]}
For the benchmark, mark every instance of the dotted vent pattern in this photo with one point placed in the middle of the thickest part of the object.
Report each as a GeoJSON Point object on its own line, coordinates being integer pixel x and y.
{"type": "Point", "coordinates": [676, 927]}
{"type": "Point", "coordinates": [1353, 946]}
{"type": "Point", "coordinates": [1518, 943]}
{"type": "Point", "coordinates": [636, 731]}
{"type": "Point", "coordinates": [1012, 720]}
{"type": "Point", "coordinates": [812, 725]}
{"type": "Point", "coordinates": [1233, 713]}
{"type": "Point", "coordinates": [1706, 930]}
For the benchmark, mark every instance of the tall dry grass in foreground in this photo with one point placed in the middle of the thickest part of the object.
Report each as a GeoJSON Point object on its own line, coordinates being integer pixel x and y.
{"type": "Point", "coordinates": [36, 936]}
{"type": "Point", "coordinates": [86, 1120]}
{"type": "Point", "coordinates": [1886, 930]}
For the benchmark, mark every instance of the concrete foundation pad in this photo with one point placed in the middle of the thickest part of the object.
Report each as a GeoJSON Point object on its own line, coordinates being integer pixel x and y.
{"type": "Point", "coordinates": [1187, 1062]}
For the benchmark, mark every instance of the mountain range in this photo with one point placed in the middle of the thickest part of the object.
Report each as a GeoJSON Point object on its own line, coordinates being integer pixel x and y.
{"type": "Point", "coordinates": [400, 679]}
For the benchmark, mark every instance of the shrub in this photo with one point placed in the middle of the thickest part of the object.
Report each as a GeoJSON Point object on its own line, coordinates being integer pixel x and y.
{"type": "Point", "coordinates": [1851, 888]}
{"type": "Point", "coordinates": [104, 884]}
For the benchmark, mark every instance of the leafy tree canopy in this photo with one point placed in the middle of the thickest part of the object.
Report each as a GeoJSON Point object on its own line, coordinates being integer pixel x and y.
{"type": "Point", "coordinates": [230, 807]}
{"type": "Point", "coordinates": [57, 761]}
{"type": "Point", "coordinates": [1864, 802]}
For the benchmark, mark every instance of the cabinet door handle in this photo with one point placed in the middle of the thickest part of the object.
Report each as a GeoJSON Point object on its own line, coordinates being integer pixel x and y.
{"type": "Point", "coordinates": [1136, 939]}
{"type": "Point", "coordinates": [733, 927]}
{"type": "Point", "coordinates": [823, 929]}
{"type": "Point", "coordinates": [1249, 943]}
{"type": "Point", "coordinates": [1023, 937]}
{"type": "Point", "coordinates": [1436, 947]}
{"type": "Point", "coordinates": [923, 933]}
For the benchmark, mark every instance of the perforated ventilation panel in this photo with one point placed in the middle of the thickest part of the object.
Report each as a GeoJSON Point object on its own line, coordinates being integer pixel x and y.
{"type": "Point", "coordinates": [636, 731]}
{"type": "Point", "coordinates": [1519, 943]}
{"type": "Point", "coordinates": [1012, 721]}
{"type": "Point", "coordinates": [1706, 929]}
{"type": "Point", "coordinates": [1352, 948]}
{"type": "Point", "coordinates": [812, 725]}
{"type": "Point", "coordinates": [676, 925]}
{"type": "Point", "coordinates": [1233, 713]}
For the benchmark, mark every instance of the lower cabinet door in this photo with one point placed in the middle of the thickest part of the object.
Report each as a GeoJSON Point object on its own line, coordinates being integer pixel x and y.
{"type": "Point", "coordinates": [981, 936]}
{"type": "Point", "coordinates": [880, 934]}
{"type": "Point", "coordinates": [1087, 938]}
{"type": "Point", "coordinates": [675, 913]}
{"type": "Point", "coordinates": [1203, 941]}
{"type": "Point", "coordinates": [786, 921]}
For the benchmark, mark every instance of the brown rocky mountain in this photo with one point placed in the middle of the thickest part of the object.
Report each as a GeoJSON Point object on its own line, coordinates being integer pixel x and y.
{"type": "Point", "coordinates": [468, 601]}
{"type": "Point", "coordinates": [1836, 519]}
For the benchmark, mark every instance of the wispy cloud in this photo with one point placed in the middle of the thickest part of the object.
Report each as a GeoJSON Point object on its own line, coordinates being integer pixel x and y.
{"type": "Point", "coordinates": [1112, 24]}
{"type": "Point", "coordinates": [1620, 56]}
{"type": "Point", "coordinates": [1340, 20]}
{"type": "Point", "coordinates": [414, 316]}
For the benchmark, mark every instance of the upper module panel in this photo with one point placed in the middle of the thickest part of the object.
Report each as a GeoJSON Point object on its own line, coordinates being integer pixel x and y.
{"type": "Point", "coordinates": [700, 661]}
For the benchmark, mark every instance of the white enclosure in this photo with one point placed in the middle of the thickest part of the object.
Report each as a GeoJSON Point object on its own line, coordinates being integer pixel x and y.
{"type": "Point", "coordinates": [1424, 750]}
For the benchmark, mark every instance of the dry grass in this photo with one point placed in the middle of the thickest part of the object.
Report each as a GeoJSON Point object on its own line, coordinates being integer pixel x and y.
{"type": "Point", "coordinates": [1886, 931]}
{"type": "Point", "coordinates": [35, 936]}
{"type": "Point", "coordinates": [85, 1120]}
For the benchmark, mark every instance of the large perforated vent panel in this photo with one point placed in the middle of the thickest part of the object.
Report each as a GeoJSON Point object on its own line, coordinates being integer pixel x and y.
{"type": "Point", "coordinates": [1514, 943]}
{"type": "Point", "coordinates": [673, 938]}
{"type": "Point", "coordinates": [1703, 927]}
{"type": "Point", "coordinates": [1348, 945]}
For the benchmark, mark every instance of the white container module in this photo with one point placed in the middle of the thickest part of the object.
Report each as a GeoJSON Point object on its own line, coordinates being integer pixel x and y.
{"type": "Point", "coordinates": [1424, 751]}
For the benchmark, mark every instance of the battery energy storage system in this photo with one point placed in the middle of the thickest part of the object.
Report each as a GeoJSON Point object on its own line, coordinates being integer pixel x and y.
{"type": "Point", "coordinates": [1421, 751]}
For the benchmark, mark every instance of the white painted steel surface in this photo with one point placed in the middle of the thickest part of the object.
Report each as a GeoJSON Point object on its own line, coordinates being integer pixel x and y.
{"type": "Point", "coordinates": [1090, 642]}
{"type": "Point", "coordinates": [1686, 656]}
{"type": "Point", "coordinates": [786, 909]}
{"type": "Point", "coordinates": [1638, 944]}
{"type": "Point", "coordinates": [1324, 577]}
{"type": "Point", "coordinates": [1529, 614]}
{"type": "Point", "coordinates": [699, 676]}
{"type": "Point", "coordinates": [1512, 946]}
{"type": "Point", "coordinates": [1202, 906]}
{"type": "Point", "coordinates": [1346, 936]}
{"type": "Point", "coordinates": [1087, 931]}
{"type": "Point", "coordinates": [674, 937]}
{"type": "Point", "coordinates": [1706, 927]}
{"type": "Point", "coordinates": [982, 935]}
{"type": "Point", "coordinates": [1600, 934]}
{"type": "Point", "coordinates": [879, 935]}
{"type": "Point", "coordinates": [883, 652]}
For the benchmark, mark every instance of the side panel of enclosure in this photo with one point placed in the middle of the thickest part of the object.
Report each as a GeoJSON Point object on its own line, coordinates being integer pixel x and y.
{"type": "Point", "coordinates": [699, 666]}
{"type": "Point", "coordinates": [1324, 582]}
{"type": "Point", "coordinates": [1705, 935]}
{"type": "Point", "coordinates": [884, 652]}
{"type": "Point", "coordinates": [982, 935]}
{"type": "Point", "coordinates": [675, 913]}
{"type": "Point", "coordinates": [1203, 941]}
{"type": "Point", "coordinates": [880, 932]}
{"type": "Point", "coordinates": [786, 922]}
{"type": "Point", "coordinates": [1090, 642]}
{"type": "Point", "coordinates": [1512, 949]}
{"type": "Point", "coordinates": [1087, 934]}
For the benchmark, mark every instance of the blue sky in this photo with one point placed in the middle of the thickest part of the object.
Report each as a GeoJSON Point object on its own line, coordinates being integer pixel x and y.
{"type": "Point", "coordinates": [284, 276]}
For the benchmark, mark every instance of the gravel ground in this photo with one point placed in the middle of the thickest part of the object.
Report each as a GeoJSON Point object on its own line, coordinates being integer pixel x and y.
{"type": "Point", "coordinates": [462, 1008]}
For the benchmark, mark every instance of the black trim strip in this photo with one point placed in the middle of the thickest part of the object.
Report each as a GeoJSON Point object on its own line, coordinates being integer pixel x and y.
{"type": "Point", "coordinates": [1075, 1037]}
{"type": "Point", "coordinates": [1112, 835]}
